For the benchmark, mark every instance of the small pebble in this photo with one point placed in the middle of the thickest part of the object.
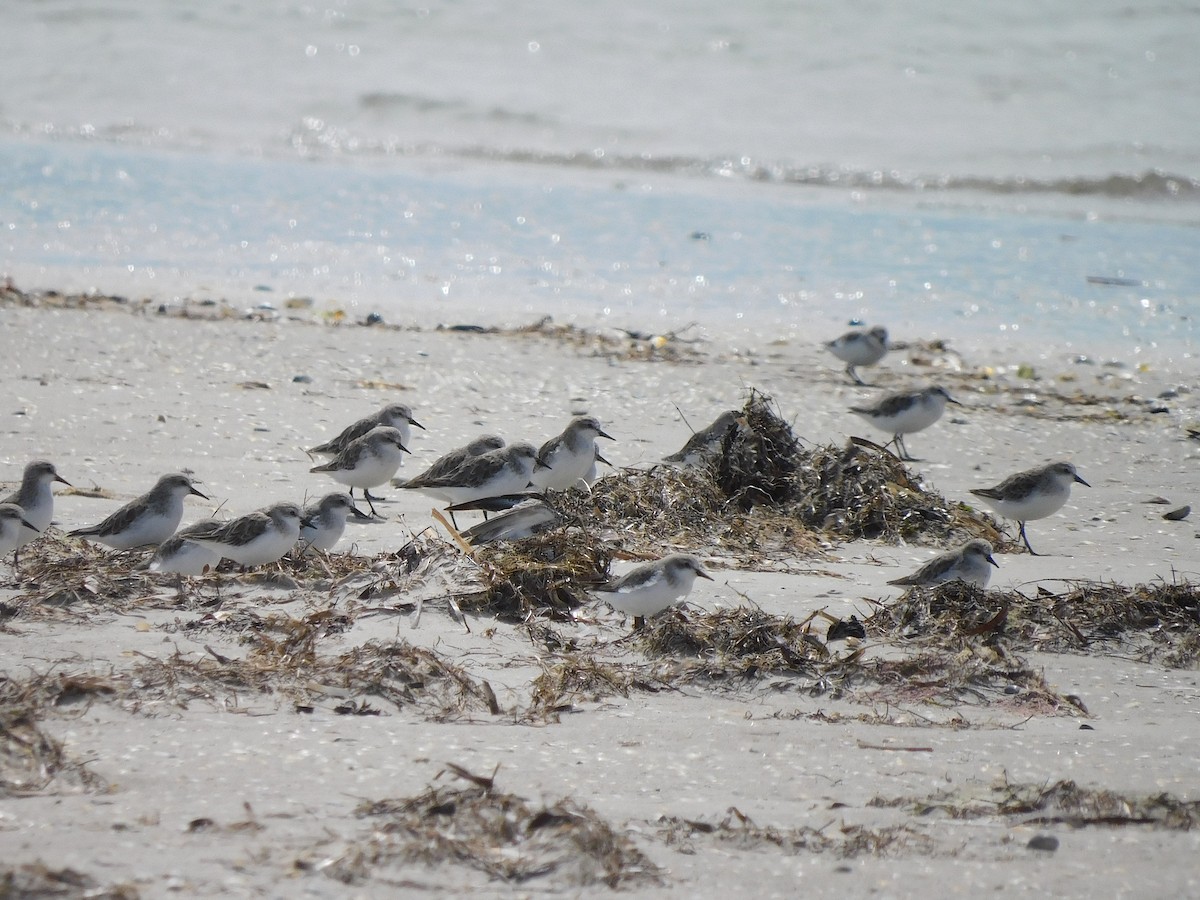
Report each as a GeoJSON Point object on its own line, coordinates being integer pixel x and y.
{"type": "Point", "coordinates": [1047, 842]}
{"type": "Point", "coordinates": [1177, 515]}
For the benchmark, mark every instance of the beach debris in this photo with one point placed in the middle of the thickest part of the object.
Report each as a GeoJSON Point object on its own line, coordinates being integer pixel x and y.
{"type": "Point", "coordinates": [1178, 514]}
{"type": "Point", "coordinates": [559, 845]}
{"type": "Point", "coordinates": [845, 841]}
{"type": "Point", "coordinates": [1047, 843]}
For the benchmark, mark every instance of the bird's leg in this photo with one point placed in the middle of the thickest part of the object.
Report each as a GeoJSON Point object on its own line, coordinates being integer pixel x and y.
{"type": "Point", "coordinates": [1024, 538]}
{"type": "Point", "coordinates": [854, 375]}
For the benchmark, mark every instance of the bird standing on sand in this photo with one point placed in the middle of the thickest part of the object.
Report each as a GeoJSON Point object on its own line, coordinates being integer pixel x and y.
{"type": "Point", "coordinates": [367, 461]}
{"type": "Point", "coordinates": [449, 462]}
{"type": "Point", "coordinates": [648, 589]}
{"type": "Point", "coordinates": [12, 523]}
{"type": "Point", "coordinates": [972, 563]}
{"type": "Point", "coordinates": [905, 413]}
{"type": "Point", "coordinates": [394, 415]}
{"type": "Point", "coordinates": [859, 348]}
{"type": "Point", "coordinates": [148, 520]}
{"type": "Point", "coordinates": [327, 521]}
{"type": "Point", "coordinates": [179, 556]}
{"type": "Point", "coordinates": [497, 473]}
{"type": "Point", "coordinates": [35, 496]}
{"type": "Point", "coordinates": [563, 461]}
{"type": "Point", "coordinates": [1032, 494]}
{"type": "Point", "coordinates": [256, 539]}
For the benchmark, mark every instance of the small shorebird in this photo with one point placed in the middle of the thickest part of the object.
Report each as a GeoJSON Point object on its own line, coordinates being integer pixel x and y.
{"type": "Point", "coordinates": [148, 520]}
{"type": "Point", "coordinates": [179, 556]}
{"type": "Point", "coordinates": [35, 496]}
{"type": "Point", "coordinates": [905, 413]}
{"type": "Point", "coordinates": [394, 415]}
{"type": "Point", "coordinates": [256, 539]}
{"type": "Point", "coordinates": [706, 443]}
{"type": "Point", "coordinates": [367, 461]}
{"type": "Point", "coordinates": [327, 521]}
{"type": "Point", "coordinates": [496, 473]}
{"type": "Point", "coordinates": [652, 587]}
{"type": "Point", "coordinates": [972, 563]}
{"type": "Point", "coordinates": [1032, 494]}
{"type": "Point", "coordinates": [859, 348]}
{"type": "Point", "coordinates": [449, 462]}
{"type": "Point", "coordinates": [564, 461]}
{"type": "Point", "coordinates": [12, 523]}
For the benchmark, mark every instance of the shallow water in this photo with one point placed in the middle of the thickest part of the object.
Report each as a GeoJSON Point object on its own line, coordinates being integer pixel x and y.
{"type": "Point", "coordinates": [945, 171]}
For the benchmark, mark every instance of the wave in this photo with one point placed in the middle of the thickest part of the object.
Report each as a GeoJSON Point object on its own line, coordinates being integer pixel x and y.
{"type": "Point", "coordinates": [319, 138]}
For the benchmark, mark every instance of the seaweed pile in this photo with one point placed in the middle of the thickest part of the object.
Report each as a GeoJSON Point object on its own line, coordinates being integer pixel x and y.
{"type": "Point", "coordinates": [497, 834]}
{"type": "Point", "coordinates": [1159, 622]}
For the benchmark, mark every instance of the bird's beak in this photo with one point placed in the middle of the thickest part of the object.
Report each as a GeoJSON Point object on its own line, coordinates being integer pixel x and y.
{"type": "Point", "coordinates": [62, 480]}
{"type": "Point", "coordinates": [416, 424]}
{"type": "Point", "coordinates": [992, 561]}
{"type": "Point", "coordinates": [601, 459]}
{"type": "Point", "coordinates": [30, 527]}
{"type": "Point", "coordinates": [704, 574]}
{"type": "Point", "coordinates": [306, 522]}
{"type": "Point", "coordinates": [538, 464]}
{"type": "Point", "coordinates": [604, 435]}
{"type": "Point", "coordinates": [402, 447]}
{"type": "Point", "coordinates": [192, 490]}
{"type": "Point", "coordinates": [359, 514]}
{"type": "Point", "coordinates": [1081, 481]}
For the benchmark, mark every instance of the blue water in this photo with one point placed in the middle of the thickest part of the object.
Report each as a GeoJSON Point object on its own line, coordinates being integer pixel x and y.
{"type": "Point", "coordinates": [493, 242]}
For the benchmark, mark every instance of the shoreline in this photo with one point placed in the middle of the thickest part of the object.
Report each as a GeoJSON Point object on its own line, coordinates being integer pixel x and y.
{"type": "Point", "coordinates": [116, 400]}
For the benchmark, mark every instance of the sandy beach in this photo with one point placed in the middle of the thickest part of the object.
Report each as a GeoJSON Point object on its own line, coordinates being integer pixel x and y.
{"type": "Point", "coordinates": [338, 728]}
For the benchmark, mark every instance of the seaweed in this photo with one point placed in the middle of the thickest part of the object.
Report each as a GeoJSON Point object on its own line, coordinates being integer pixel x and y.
{"type": "Point", "coordinates": [501, 835]}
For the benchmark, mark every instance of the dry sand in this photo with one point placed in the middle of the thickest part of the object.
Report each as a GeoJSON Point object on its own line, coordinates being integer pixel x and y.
{"type": "Point", "coordinates": [765, 784]}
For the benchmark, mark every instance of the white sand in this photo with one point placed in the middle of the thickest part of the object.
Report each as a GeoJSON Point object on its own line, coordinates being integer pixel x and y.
{"type": "Point", "coordinates": [116, 399]}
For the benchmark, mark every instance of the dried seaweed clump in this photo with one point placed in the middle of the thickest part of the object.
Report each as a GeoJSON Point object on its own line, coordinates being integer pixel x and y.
{"type": "Point", "coordinates": [30, 759]}
{"type": "Point", "coordinates": [737, 830]}
{"type": "Point", "coordinates": [1149, 622]}
{"type": "Point", "coordinates": [863, 491]}
{"type": "Point", "coordinates": [497, 834]}
{"type": "Point", "coordinates": [545, 575]}
{"type": "Point", "coordinates": [756, 462]}
{"type": "Point", "coordinates": [39, 880]}
{"type": "Point", "coordinates": [577, 678]}
{"type": "Point", "coordinates": [741, 643]}
{"type": "Point", "coordinates": [1063, 802]}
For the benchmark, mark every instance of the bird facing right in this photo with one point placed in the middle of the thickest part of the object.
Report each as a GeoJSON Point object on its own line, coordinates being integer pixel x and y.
{"type": "Point", "coordinates": [1032, 494]}
{"type": "Point", "coordinates": [972, 563]}
{"type": "Point", "coordinates": [648, 589]}
{"type": "Point", "coordinates": [860, 348]}
{"type": "Point", "coordinates": [904, 413]}
{"type": "Point", "coordinates": [36, 499]}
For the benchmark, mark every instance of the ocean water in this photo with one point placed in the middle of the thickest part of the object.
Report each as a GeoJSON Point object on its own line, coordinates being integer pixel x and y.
{"type": "Point", "coordinates": [965, 169]}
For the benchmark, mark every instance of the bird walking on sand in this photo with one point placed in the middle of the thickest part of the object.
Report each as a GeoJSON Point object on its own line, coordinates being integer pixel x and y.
{"type": "Point", "coordinates": [565, 460]}
{"type": "Point", "coordinates": [1033, 494]}
{"type": "Point", "coordinates": [906, 413]}
{"type": "Point", "coordinates": [648, 589]}
{"type": "Point", "coordinates": [148, 520]}
{"type": "Point", "coordinates": [35, 496]}
{"type": "Point", "coordinates": [972, 563]}
{"type": "Point", "coordinates": [394, 415]}
{"type": "Point", "coordinates": [859, 348]}
{"type": "Point", "coordinates": [367, 461]}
